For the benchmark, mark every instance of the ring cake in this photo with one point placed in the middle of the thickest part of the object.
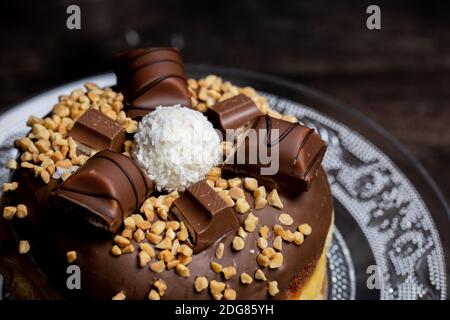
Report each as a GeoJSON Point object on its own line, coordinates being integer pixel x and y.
{"type": "Point", "coordinates": [166, 188]}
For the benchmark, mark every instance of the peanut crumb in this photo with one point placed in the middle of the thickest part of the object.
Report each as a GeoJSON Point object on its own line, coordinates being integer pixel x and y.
{"type": "Point", "coordinates": [161, 286]}
{"type": "Point", "coordinates": [22, 211]}
{"type": "Point", "coordinates": [242, 205]}
{"type": "Point", "coordinates": [229, 272]}
{"type": "Point", "coordinates": [251, 222]}
{"type": "Point", "coordinates": [273, 288]}
{"type": "Point", "coordinates": [216, 267]}
{"type": "Point", "coordinates": [259, 275]}
{"type": "Point", "coordinates": [119, 296]}
{"type": "Point", "coordinates": [305, 229]}
{"type": "Point", "coordinates": [274, 199]}
{"type": "Point", "coordinates": [154, 295]}
{"type": "Point", "coordinates": [182, 270]}
{"type": "Point", "coordinates": [144, 258]}
{"type": "Point", "coordinates": [9, 212]}
{"type": "Point", "coordinates": [276, 261]}
{"type": "Point", "coordinates": [264, 231]}
{"type": "Point", "coordinates": [229, 294]}
{"type": "Point", "coordinates": [278, 243]}
{"type": "Point", "coordinates": [219, 251]}
{"type": "Point", "coordinates": [238, 243]}
{"type": "Point", "coordinates": [115, 251]}
{"type": "Point", "coordinates": [200, 283]}
{"type": "Point", "coordinates": [250, 184]}
{"type": "Point", "coordinates": [246, 278]}
{"type": "Point", "coordinates": [285, 219]}
{"type": "Point", "coordinates": [71, 256]}
{"type": "Point", "coordinates": [24, 246]}
{"type": "Point", "coordinates": [158, 266]}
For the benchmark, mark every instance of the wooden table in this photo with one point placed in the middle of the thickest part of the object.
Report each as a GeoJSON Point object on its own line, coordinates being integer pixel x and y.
{"type": "Point", "coordinates": [399, 75]}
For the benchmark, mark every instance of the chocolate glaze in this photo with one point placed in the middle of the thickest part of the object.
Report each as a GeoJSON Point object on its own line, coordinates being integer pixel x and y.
{"type": "Point", "coordinates": [104, 275]}
{"type": "Point", "coordinates": [149, 78]}
{"type": "Point", "coordinates": [106, 190]}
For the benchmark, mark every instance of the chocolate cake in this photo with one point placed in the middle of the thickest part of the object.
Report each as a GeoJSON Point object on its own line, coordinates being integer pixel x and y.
{"type": "Point", "coordinates": [135, 187]}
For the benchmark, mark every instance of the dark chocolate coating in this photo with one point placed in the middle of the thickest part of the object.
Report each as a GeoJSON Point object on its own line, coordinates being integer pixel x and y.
{"type": "Point", "coordinates": [149, 78]}
{"type": "Point", "coordinates": [95, 130]}
{"type": "Point", "coordinates": [301, 151]}
{"type": "Point", "coordinates": [104, 275]}
{"type": "Point", "coordinates": [233, 113]}
{"type": "Point", "coordinates": [205, 214]}
{"type": "Point", "coordinates": [106, 190]}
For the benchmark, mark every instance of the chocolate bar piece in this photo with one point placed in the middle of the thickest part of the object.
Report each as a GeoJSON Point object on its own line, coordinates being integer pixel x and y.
{"type": "Point", "coordinates": [205, 214]}
{"type": "Point", "coordinates": [94, 131]}
{"type": "Point", "coordinates": [233, 113]}
{"type": "Point", "coordinates": [106, 190]}
{"type": "Point", "coordinates": [149, 78]}
{"type": "Point", "coordinates": [299, 149]}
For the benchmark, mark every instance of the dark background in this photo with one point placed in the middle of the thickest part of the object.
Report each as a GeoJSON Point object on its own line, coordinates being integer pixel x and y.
{"type": "Point", "coordinates": [399, 76]}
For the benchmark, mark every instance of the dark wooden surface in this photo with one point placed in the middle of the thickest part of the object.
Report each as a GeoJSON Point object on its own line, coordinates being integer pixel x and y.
{"type": "Point", "coordinates": [399, 76]}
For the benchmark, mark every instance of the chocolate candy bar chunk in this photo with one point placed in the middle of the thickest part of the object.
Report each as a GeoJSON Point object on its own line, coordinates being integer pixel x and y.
{"type": "Point", "coordinates": [105, 191]}
{"type": "Point", "coordinates": [296, 153]}
{"type": "Point", "coordinates": [206, 216]}
{"type": "Point", "coordinates": [149, 78]}
{"type": "Point", "coordinates": [234, 113]}
{"type": "Point", "coordinates": [94, 131]}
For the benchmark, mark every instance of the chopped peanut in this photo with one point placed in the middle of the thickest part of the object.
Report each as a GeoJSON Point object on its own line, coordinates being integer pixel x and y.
{"type": "Point", "coordinates": [9, 212]}
{"type": "Point", "coordinates": [278, 243]}
{"type": "Point", "coordinates": [154, 295]}
{"type": "Point", "coordinates": [219, 251]}
{"type": "Point", "coordinates": [71, 256]}
{"type": "Point", "coordinates": [200, 284]}
{"type": "Point", "coordinates": [22, 211]}
{"type": "Point", "coordinates": [246, 278]}
{"type": "Point", "coordinates": [251, 222]}
{"type": "Point", "coordinates": [260, 192]}
{"type": "Point", "coordinates": [260, 203]}
{"type": "Point", "coordinates": [276, 261]}
{"type": "Point", "coordinates": [274, 199]}
{"type": "Point", "coordinates": [298, 238]}
{"type": "Point", "coordinates": [229, 294]}
{"type": "Point", "coordinates": [242, 205]}
{"type": "Point", "coordinates": [182, 270]}
{"type": "Point", "coordinates": [262, 243]}
{"type": "Point", "coordinates": [115, 251]}
{"type": "Point", "coordinates": [229, 272]}
{"type": "Point", "coordinates": [161, 286]}
{"type": "Point", "coordinates": [250, 184]}
{"type": "Point", "coordinates": [285, 219]}
{"type": "Point", "coordinates": [119, 296]}
{"type": "Point", "coordinates": [241, 233]}
{"type": "Point", "coordinates": [264, 231]}
{"type": "Point", "coordinates": [217, 267]}
{"type": "Point", "coordinates": [144, 259]}
{"type": "Point", "coordinates": [259, 275]}
{"type": "Point", "coordinates": [273, 288]}
{"type": "Point", "coordinates": [238, 243]}
{"type": "Point", "coordinates": [158, 266]}
{"type": "Point", "coordinates": [236, 193]}
{"type": "Point", "coordinates": [24, 246]}
{"type": "Point", "coordinates": [305, 229]}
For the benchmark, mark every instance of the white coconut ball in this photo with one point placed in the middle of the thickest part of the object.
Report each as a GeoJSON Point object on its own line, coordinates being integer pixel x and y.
{"type": "Point", "coordinates": [176, 147]}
